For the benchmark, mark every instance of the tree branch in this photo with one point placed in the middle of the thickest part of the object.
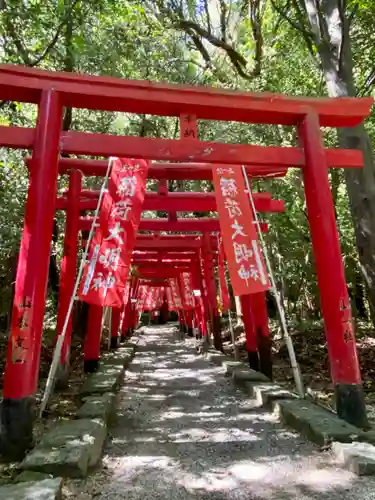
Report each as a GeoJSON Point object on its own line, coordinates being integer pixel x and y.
{"type": "Point", "coordinates": [14, 36]}
{"type": "Point", "coordinates": [299, 26]}
{"type": "Point", "coordinates": [20, 46]}
{"type": "Point", "coordinates": [237, 59]}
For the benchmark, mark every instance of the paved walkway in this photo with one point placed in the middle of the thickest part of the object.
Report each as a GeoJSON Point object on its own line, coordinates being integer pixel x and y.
{"type": "Point", "coordinates": [183, 434]}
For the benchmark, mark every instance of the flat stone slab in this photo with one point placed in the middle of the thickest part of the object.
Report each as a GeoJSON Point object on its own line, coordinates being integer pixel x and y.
{"type": "Point", "coordinates": [243, 374]}
{"type": "Point", "coordinates": [356, 457]}
{"type": "Point", "coordinates": [132, 343]}
{"type": "Point", "coordinates": [230, 366]}
{"type": "Point", "coordinates": [316, 423]}
{"type": "Point", "coordinates": [128, 349]}
{"type": "Point", "coordinates": [99, 406]}
{"type": "Point", "coordinates": [27, 476]}
{"type": "Point", "coordinates": [216, 357]}
{"type": "Point", "coordinates": [266, 393]}
{"type": "Point", "coordinates": [122, 359]}
{"type": "Point", "coordinates": [69, 449]}
{"type": "Point", "coordinates": [121, 356]}
{"type": "Point", "coordinates": [107, 379]}
{"type": "Point", "coordinates": [48, 489]}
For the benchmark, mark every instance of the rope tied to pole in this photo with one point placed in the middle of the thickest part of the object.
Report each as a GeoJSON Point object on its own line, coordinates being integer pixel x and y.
{"type": "Point", "coordinates": [284, 328]}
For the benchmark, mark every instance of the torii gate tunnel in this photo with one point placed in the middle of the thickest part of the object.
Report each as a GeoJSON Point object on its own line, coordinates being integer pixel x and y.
{"type": "Point", "coordinates": [54, 91]}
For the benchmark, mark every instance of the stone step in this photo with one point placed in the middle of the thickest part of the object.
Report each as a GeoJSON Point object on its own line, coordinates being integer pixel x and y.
{"type": "Point", "coordinates": [314, 422]}
{"type": "Point", "coordinates": [99, 406]}
{"type": "Point", "coordinates": [48, 489]}
{"type": "Point", "coordinates": [107, 379]}
{"type": "Point", "coordinates": [70, 449]}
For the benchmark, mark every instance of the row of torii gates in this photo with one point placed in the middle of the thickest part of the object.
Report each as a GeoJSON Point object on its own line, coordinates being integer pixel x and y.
{"type": "Point", "coordinates": [184, 159]}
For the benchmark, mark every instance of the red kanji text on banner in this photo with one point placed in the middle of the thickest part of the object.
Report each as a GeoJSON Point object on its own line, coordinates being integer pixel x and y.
{"type": "Point", "coordinates": [240, 238]}
{"type": "Point", "coordinates": [105, 276]}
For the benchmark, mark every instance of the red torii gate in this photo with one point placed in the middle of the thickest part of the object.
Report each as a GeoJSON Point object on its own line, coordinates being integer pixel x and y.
{"type": "Point", "coordinates": [53, 91]}
{"type": "Point", "coordinates": [180, 202]}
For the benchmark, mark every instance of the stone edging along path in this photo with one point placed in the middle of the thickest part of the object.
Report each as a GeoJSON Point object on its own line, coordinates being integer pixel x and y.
{"type": "Point", "coordinates": [352, 447]}
{"type": "Point", "coordinates": [72, 448]}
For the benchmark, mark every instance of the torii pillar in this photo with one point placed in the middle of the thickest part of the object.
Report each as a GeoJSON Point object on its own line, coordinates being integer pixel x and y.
{"type": "Point", "coordinates": [334, 297]}
{"type": "Point", "coordinates": [68, 274]}
{"type": "Point", "coordinates": [212, 291]}
{"type": "Point", "coordinates": [25, 340]}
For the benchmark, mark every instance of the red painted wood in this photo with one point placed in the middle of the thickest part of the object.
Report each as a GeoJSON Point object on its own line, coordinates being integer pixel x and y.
{"type": "Point", "coordinates": [260, 315]}
{"type": "Point", "coordinates": [178, 171]}
{"type": "Point", "coordinates": [334, 298]}
{"type": "Point", "coordinates": [249, 324]}
{"type": "Point", "coordinates": [91, 348]}
{"type": "Point", "coordinates": [183, 202]}
{"type": "Point", "coordinates": [115, 321]}
{"type": "Point", "coordinates": [165, 254]}
{"type": "Point", "coordinates": [202, 225]}
{"type": "Point", "coordinates": [82, 143]}
{"type": "Point", "coordinates": [335, 158]}
{"type": "Point", "coordinates": [175, 150]}
{"type": "Point", "coordinates": [25, 339]}
{"type": "Point", "coordinates": [164, 264]}
{"type": "Point", "coordinates": [25, 84]}
{"type": "Point", "coordinates": [69, 261]}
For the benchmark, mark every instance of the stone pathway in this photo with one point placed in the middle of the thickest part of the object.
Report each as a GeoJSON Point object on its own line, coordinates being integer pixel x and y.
{"type": "Point", "coordinates": [183, 433]}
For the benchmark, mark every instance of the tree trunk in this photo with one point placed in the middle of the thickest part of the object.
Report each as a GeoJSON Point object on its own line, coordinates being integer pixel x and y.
{"type": "Point", "coordinates": [332, 37]}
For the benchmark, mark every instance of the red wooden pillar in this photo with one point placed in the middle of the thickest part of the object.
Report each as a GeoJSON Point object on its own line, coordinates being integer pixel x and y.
{"type": "Point", "coordinates": [125, 321]}
{"type": "Point", "coordinates": [201, 302]}
{"type": "Point", "coordinates": [260, 317]}
{"type": "Point", "coordinates": [91, 349]}
{"type": "Point", "coordinates": [209, 274]}
{"type": "Point", "coordinates": [164, 312]}
{"type": "Point", "coordinates": [189, 322]}
{"type": "Point", "coordinates": [250, 332]}
{"type": "Point", "coordinates": [23, 355]}
{"type": "Point", "coordinates": [181, 320]}
{"type": "Point", "coordinates": [68, 273]}
{"type": "Point", "coordinates": [115, 325]}
{"type": "Point", "coordinates": [334, 298]}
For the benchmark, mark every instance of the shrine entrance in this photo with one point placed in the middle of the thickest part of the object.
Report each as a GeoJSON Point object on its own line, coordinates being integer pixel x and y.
{"type": "Point", "coordinates": [128, 265]}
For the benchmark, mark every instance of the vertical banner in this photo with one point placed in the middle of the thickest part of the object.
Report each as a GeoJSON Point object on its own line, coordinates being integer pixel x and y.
{"type": "Point", "coordinates": [187, 291]}
{"type": "Point", "coordinates": [175, 291]}
{"type": "Point", "coordinates": [126, 292]}
{"type": "Point", "coordinates": [240, 239]}
{"type": "Point", "coordinates": [159, 297]}
{"type": "Point", "coordinates": [148, 305]}
{"type": "Point", "coordinates": [170, 302]}
{"type": "Point", "coordinates": [203, 276]}
{"type": "Point", "coordinates": [224, 293]}
{"type": "Point", "coordinates": [143, 292]}
{"type": "Point", "coordinates": [105, 276]}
